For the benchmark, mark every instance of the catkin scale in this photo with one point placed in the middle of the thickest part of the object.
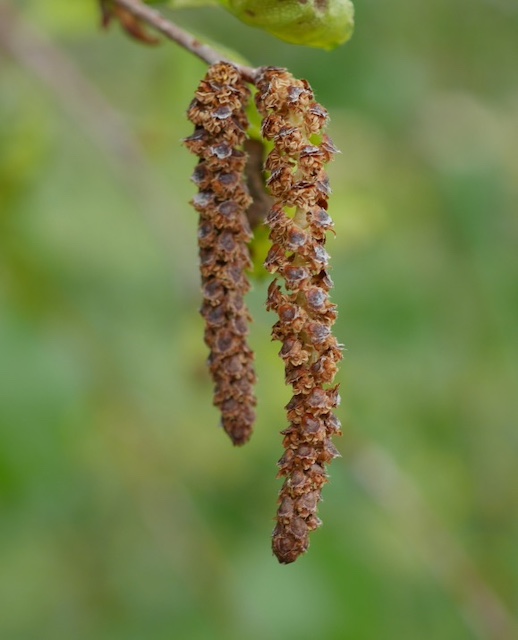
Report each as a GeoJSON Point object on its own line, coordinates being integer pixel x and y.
{"type": "Point", "coordinates": [298, 222]}
{"type": "Point", "coordinates": [218, 113]}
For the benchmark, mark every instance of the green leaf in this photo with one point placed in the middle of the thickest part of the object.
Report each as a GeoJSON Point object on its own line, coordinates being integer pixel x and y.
{"type": "Point", "coordinates": [314, 23]}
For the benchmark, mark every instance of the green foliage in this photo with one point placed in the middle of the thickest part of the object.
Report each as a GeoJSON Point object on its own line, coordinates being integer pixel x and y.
{"type": "Point", "coordinates": [313, 23]}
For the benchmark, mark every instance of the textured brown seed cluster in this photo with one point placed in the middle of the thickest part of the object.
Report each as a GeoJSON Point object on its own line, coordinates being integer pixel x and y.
{"type": "Point", "coordinates": [298, 221]}
{"type": "Point", "coordinates": [218, 113]}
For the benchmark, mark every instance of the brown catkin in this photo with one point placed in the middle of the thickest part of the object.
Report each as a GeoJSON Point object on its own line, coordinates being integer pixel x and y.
{"type": "Point", "coordinates": [218, 113]}
{"type": "Point", "coordinates": [298, 222]}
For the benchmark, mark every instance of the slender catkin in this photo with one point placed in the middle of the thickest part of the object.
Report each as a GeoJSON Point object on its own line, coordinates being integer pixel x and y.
{"type": "Point", "coordinates": [218, 113]}
{"type": "Point", "coordinates": [298, 222]}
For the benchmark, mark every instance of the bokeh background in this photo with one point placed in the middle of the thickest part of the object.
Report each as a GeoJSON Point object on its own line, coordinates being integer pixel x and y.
{"type": "Point", "coordinates": [125, 512]}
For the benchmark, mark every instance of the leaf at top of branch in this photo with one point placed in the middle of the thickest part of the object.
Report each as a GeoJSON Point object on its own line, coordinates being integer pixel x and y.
{"type": "Point", "coordinates": [324, 24]}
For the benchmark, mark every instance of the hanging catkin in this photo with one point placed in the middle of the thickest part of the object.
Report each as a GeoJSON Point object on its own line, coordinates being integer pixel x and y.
{"type": "Point", "coordinates": [298, 221]}
{"type": "Point", "coordinates": [218, 113]}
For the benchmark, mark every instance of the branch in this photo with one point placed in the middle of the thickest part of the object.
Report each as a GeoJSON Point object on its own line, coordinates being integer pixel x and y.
{"type": "Point", "coordinates": [156, 21]}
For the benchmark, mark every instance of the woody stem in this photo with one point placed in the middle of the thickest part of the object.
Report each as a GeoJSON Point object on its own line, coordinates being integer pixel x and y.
{"type": "Point", "coordinates": [171, 31]}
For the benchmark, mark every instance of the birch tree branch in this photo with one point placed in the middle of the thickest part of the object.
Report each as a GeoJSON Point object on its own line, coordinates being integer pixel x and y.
{"type": "Point", "coordinates": [158, 22]}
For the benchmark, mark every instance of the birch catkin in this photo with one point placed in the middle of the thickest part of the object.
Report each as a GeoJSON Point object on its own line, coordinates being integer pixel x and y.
{"type": "Point", "coordinates": [298, 221]}
{"type": "Point", "coordinates": [218, 113]}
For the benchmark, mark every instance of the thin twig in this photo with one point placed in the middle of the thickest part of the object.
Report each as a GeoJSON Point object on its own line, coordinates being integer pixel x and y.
{"type": "Point", "coordinates": [170, 30]}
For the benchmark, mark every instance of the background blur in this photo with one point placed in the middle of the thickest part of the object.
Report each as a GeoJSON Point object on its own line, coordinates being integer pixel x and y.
{"type": "Point", "coordinates": [125, 512]}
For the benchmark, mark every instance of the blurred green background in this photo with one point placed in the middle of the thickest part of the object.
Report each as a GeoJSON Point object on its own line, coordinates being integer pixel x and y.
{"type": "Point", "coordinates": [125, 512]}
